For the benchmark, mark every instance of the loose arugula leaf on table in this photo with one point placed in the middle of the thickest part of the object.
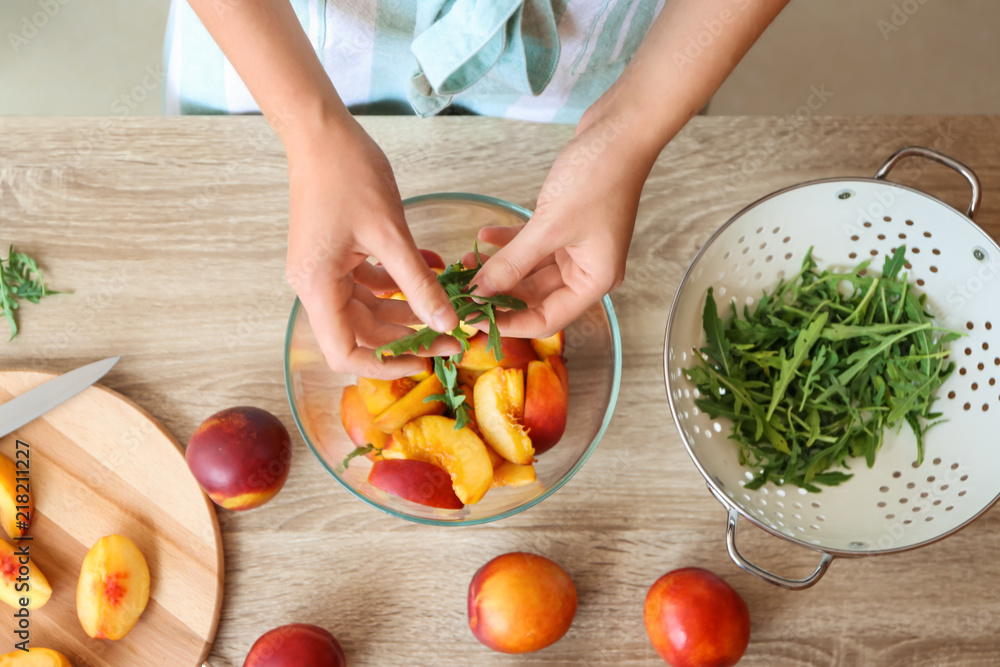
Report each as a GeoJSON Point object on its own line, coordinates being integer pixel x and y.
{"type": "Point", "coordinates": [20, 278]}
{"type": "Point", "coordinates": [820, 368]}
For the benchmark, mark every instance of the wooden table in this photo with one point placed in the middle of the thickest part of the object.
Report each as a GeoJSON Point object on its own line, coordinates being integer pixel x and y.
{"type": "Point", "coordinates": [171, 234]}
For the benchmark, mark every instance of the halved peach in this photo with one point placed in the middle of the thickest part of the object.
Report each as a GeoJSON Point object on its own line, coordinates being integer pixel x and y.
{"type": "Point", "coordinates": [412, 405]}
{"type": "Point", "coordinates": [545, 406]}
{"type": "Point", "coordinates": [517, 352]}
{"type": "Point", "coordinates": [380, 394]}
{"type": "Point", "coordinates": [359, 423]}
{"type": "Point", "coordinates": [417, 481]}
{"type": "Point", "coordinates": [113, 588]}
{"type": "Point", "coordinates": [34, 657]}
{"type": "Point", "coordinates": [14, 500]}
{"type": "Point", "coordinates": [549, 347]}
{"type": "Point", "coordinates": [21, 578]}
{"type": "Point", "coordinates": [499, 396]}
{"type": "Point", "coordinates": [512, 474]}
{"type": "Point", "coordinates": [461, 453]}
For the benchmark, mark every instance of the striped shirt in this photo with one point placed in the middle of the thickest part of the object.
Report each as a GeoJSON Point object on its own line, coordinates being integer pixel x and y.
{"type": "Point", "coordinates": [368, 49]}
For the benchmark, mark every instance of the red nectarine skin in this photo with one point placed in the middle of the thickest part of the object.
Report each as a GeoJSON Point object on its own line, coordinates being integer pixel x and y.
{"type": "Point", "coordinates": [242, 452]}
{"type": "Point", "coordinates": [695, 619]}
{"type": "Point", "coordinates": [545, 406]}
{"type": "Point", "coordinates": [416, 481]}
{"type": "Point", "coordinates": [521, 602]}
{"type": "Point", "coordinates": [296, 645]}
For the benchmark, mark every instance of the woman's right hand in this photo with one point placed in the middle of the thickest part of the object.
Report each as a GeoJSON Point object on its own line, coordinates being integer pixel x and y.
{"type": "Point", "coordinates": [344, 206]}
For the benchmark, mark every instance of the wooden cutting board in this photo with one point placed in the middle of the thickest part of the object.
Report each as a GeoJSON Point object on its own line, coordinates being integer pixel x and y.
{"type": "Point", "coordinates": [99, 465]}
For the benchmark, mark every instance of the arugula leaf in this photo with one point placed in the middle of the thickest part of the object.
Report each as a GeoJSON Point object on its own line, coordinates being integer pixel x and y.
{"type": "Point", "coordinates": [360, 451]}
{"type": "Point", "coordinates": [815, 373]}
{"type": "Point", "coordinates": [718, 344]}
{"type": "Point", "coordinates": [20, 278]}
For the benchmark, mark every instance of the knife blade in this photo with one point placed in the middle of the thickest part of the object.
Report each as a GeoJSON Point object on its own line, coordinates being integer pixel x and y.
{"type": "Point", "coordinates": [27, 407]}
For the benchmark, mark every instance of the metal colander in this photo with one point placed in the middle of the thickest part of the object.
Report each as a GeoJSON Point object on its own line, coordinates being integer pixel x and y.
{"type": "Point", "coordinates": [895, 505]}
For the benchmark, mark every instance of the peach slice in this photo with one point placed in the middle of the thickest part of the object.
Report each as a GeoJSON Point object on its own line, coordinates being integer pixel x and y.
{"type": "Point", "coordinates": [417, 481]}
{"type": "Point", "coordinates": [499, 397]}
{"type": "Point", "coordinates": [512, 474]}
{"type": "Point", "coordinates": [468, 376]}
{"type": "Point", "coordinates": [380, 394]}
{"type": "Point", "coordinates": [426, 373]}
{"type": "Point", "coordinates": [461, 453]}
{"type": "Point", "coordinates": [14, 500]}
{"type": "Point", "coordinates": [517, 352]}
{"type": "Point", "coordinates": [545, 406]}
{"type": "Point", "coordinates": [20, 578]}
{"type": "Point", "coordinates": [412, 405]}
{"type": "Point", "coordinates": [559, 366]}
{"type": "Point", "coordinates": [358, 422]}
{"type": "Point", "coordinates": [549, 347]}
{"type": "Point", "coordinates": [113, 588]}
{"type": "Point", "coordinates": [495, 459]}
{"type": "Point", "coordinates": [34, 657]}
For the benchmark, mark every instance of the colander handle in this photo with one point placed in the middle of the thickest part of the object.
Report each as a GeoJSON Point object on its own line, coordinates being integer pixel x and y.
{"type": "Point", "coordinates": [770, 577]}
{"type": "Point", "coordinates": [930, 154]}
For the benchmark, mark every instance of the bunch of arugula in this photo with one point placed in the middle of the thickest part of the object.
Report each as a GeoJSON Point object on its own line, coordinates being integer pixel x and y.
{"type": "Point", "coordinates": [456, 280]}
{"type": "Point", "coordinates": [820, 368]}
{"type": "Point", "coordinates": [20, 278]}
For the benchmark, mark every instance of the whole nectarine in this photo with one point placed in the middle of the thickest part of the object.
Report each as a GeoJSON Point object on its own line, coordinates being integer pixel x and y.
{"type": "Point", "coordinates": [296, 645]}
{"type": "Point", "coordinates": [521, 602]}
{"type": "Point", "coordinates": [695, 619]}
{"type": "Point", "coordinates": [240, 457]}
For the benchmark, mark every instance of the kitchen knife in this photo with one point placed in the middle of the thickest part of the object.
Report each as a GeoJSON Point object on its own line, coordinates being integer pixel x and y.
{"type": "Point", "coordinates": [18, 411]}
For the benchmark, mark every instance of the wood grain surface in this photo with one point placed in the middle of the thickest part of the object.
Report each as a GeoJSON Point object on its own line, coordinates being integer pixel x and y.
{"type": "Point", "coordinates": [100, 465]}
{"type": "Point", "coordinates": [171, 235]}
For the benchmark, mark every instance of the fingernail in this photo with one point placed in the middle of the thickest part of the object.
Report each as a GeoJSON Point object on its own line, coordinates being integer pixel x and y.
{"type": "Point", "coordinates": [443, 318]}
{"type": "Point", "coordinates": [484, 286]}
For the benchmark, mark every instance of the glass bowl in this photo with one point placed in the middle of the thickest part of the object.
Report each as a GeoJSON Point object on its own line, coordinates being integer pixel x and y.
{"type": "Point", "coordinates": [448, 223]}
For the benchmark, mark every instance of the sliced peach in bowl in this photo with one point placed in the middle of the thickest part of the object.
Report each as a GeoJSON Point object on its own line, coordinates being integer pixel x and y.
{"type": "Point", "coordinates": [549, 347]}
{"type": "Point", "coordinates": [545, 406]}
{"type": "Point", "coordinates": [16, 570]}
{"type": "Point", "coordinates": [378, 395]}
{"type": "Point", "coordinates": [499, 397]}
{"type": "Point", "coordinates": [460, 452]}
{"type": "Point", "coordinates": [113, 588]}
{"type": "Point", "coordinates": [512, 474]}
{"type": "Point", "coordinates": [411, 406]}
{"type": "Point", "coordinates": [416, 481]}
{"type": "Point", "coordinates": [517, 352]}
{"type": "Point", "coordinates": [359, 423]}
{"type": "Point", "coordinates": [559, 366]}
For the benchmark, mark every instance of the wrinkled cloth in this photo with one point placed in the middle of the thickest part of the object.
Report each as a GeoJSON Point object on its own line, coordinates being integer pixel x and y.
{"type": "Point", "coordinates": [511, 44]}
